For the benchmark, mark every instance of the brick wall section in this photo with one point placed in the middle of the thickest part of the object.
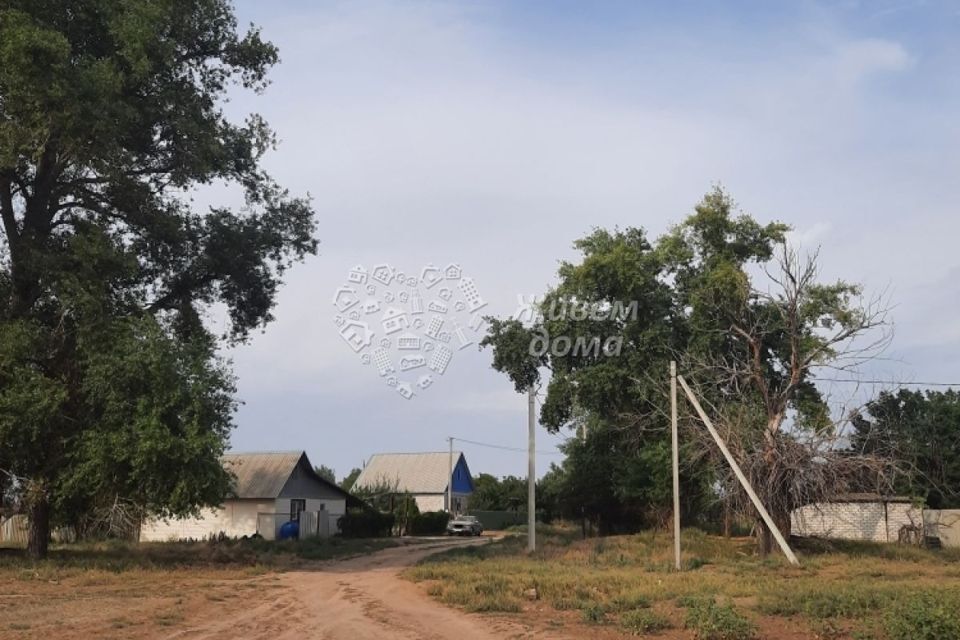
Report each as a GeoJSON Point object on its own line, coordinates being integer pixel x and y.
{"type": "Point", "coordinates": [855, 520]}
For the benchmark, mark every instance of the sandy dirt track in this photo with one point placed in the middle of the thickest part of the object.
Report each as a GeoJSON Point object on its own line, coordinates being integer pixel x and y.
{"type": "Point", "coordinates": [358, 599]}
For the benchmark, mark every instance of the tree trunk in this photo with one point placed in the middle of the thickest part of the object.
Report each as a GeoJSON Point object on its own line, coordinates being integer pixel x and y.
{"type": "Point", "coordinates": [766, 543]}
{"type": "Point", "coordinates": [764, 539]}
{"type": "Point", "coordinates": [39, 538]}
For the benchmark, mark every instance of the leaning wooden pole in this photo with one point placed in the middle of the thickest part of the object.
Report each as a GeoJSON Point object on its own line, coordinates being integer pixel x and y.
{"type": "Point", "coordinates": [787, 551]}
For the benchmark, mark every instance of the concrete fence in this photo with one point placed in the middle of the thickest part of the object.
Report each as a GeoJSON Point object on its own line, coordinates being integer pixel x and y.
{"type": "Point", "coordinates": [877, 521]}
{"type": "Point", "coordinates": [943, 524]}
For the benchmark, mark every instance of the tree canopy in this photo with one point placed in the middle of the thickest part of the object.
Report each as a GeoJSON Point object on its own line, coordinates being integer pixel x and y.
{"type": "Point", "coordinates": [744, 316]}
{"type": "Point", "coordinates": [111, 117]}
{"type": "Point", "coordinates": [922, 429]}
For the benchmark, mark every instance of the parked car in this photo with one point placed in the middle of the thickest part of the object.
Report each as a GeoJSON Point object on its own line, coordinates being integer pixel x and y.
{"type": "Point", "coordinates": [464, 526]}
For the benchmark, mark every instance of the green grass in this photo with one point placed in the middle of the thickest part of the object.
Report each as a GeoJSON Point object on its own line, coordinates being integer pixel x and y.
{"type": "Point", "coordinates": [923, 616]}
{"type": "Point", "coordinates": [840, 590]}
{"type": "Point", "coordinates": [712, 621]}
{"type": "Point", "coordinates": [644, 622]}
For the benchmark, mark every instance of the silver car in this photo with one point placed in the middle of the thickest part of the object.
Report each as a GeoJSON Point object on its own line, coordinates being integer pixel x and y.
{"type": "Point", "coordinates": [464, 526]}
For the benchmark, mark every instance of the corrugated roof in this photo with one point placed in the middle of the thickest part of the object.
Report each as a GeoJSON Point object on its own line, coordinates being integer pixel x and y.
{"type": "Point", "coordinates": [261, 475]}
{"type": "Point", "coordinates": [408, 472]}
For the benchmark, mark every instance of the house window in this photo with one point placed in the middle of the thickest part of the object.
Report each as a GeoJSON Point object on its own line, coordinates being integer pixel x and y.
{"type": "Point", "coordinates": [297, 507]}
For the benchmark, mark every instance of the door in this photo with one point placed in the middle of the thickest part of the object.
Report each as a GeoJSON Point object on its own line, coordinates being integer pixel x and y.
{"type": "Point", "coordinates": [297, 507]}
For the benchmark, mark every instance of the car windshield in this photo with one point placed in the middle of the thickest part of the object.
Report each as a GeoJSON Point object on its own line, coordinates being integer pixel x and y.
{"type": "Point", "coordinates": [467, 518]}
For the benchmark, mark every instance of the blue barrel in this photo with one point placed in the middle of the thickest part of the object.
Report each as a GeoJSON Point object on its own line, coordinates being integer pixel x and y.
{"type": "Point", "coordinates": [290, 530]}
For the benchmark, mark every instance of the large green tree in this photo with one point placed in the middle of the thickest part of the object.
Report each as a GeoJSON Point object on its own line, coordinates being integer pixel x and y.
{"type": "Point", "coordinates": [750, 338]}
{"type": "Point", "coordinates": [111, 116]}
{"type": "Point", "coordinates": [922, 430]}
{"type": "Point", "coordinates": [498, 494]}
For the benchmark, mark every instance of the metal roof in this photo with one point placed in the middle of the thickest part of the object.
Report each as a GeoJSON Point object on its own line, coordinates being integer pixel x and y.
{"type": "Point", "coordinates": [261, 475]}
{"type": "Point", "coordinates": [408, 472]}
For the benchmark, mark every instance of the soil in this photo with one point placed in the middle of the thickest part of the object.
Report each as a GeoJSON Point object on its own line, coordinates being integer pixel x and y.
{"type": "Point", "coordinates": [363, 598]}
{"type": "Point", "coordinates": [355, 599]}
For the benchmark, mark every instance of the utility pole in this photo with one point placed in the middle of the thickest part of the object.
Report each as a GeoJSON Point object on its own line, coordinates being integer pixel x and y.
{"type": "Point", "coordinates": [450, 478]}
{"type": "Point", "coordinates": [531, 469]}
{"type": "Point", "coordinates": [742, 478]}
{"type": "Point", "coordinates": [676, 464]}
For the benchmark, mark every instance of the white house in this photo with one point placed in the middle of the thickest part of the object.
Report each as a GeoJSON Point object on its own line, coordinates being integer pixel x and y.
{"type": "Point", "coordinates": [424, 476]}
{"type": "Point", "coordinates": [270, 489]}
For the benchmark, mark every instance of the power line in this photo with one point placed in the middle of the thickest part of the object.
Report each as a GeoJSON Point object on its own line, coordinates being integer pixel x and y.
{"type": "Point", "coordinates": [506, 448]}
{"type": "Point", "coordinates": [890, 382]}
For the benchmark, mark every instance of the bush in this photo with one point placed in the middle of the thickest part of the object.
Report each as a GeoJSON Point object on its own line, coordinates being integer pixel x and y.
{"type": "Point", "coordinates": [431, 523]}
{"type": "Point", "coordinates": [644, 621]}
{"type": "Point", "coordinates": [924, 617]}
{"type": "Point", "coordinates": [712, 621]}
{"type": "Point", "coordinates": [366, 524]}
{"type": "Point", "coordinates": [593, 613]}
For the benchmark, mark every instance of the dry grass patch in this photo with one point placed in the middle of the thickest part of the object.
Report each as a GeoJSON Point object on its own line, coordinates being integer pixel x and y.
{"type": "Point", "coordinates": [841, 590]}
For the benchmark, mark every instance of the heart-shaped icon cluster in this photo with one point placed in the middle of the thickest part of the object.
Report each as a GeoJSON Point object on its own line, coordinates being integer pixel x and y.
{"type": "Point", "coordinates": [408, 325]}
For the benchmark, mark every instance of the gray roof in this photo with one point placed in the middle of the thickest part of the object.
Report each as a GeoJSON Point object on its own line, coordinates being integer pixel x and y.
{"type": "Point", "coordinates": [869, 497]}
{"type": "Point", "coordinates": [408, 472]}
{"type": "Point", "coordinates": [261, 475]}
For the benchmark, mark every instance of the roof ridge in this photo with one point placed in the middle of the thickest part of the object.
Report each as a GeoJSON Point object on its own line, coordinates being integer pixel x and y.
{"type": "Point", "coordinates": [413, 453]}
{"type": "Point", "coordinates": [265, 453]}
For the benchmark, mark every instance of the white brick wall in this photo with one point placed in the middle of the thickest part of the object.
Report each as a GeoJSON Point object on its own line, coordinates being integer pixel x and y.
{"type": "Point", "coordinates": [430, 503]}
{"type": "Point", "coordinates": [854, 520]}
{"type": "Point", "coordinates": [236, 518]}
{"type": "Point", "coordinates": [435, 502]}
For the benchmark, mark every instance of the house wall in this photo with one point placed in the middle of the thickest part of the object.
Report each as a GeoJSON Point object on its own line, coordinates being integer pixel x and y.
{"type": "Point", "coordinates": [438, 501]}
{"type": "Point", "coordinates": [461, 478]}
{"type": "Point", "coordinates": [331, 509]}
{"type": "Point", "coordinates": [854, 520]}
{"type": "Point", "coordinates": [430, 502]}
{"type": "Point", "coordinates": [236, 518]}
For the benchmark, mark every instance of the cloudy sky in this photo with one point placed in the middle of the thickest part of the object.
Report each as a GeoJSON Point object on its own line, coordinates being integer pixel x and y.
{"type": "Point", "coordinates": [493, 134]}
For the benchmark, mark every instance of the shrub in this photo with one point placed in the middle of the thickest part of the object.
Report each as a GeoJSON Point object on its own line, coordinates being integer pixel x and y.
{"type": "Point", "coordinates": [643, 621]}
{"type": "Point", "coordinates": [923, 617]}
{"type": "Point", "coordinates": [594, 613]}
{"type": "Point", "coordinates": [431, 523]}
{"type": "Point", "coordinates": [712, 621]}
{"type": "Point", "coordinates": [366, 524]}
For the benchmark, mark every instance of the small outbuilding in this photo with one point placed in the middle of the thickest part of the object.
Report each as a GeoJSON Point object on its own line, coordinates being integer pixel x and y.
{"type": "Point", "coordinates": [427, 477]}
{"type": "Point", "coordinates": [270, 489]}
{"type": "Point", "coordinates": [859, 516]}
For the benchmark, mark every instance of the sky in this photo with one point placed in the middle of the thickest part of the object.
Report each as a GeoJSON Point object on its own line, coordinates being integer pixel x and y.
{"type": "Point", "coordinates": [493, 134]}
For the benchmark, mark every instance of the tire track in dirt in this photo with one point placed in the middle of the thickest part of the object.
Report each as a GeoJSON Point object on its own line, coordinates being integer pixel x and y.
{"type": "Point", "coordinates": [363, 598]}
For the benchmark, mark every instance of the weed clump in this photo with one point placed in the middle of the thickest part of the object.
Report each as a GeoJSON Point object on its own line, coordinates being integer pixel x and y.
{"type": "Point", "coordinates": [923, 617]}
{"type": "Point", "coordinates": [712, 621]}
{"type": "Point", "coordinates": [644, 621]}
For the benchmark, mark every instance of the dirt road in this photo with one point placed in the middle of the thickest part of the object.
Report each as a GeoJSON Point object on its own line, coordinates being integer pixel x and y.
{"type": "Point", "coordinates": [359, 599]}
